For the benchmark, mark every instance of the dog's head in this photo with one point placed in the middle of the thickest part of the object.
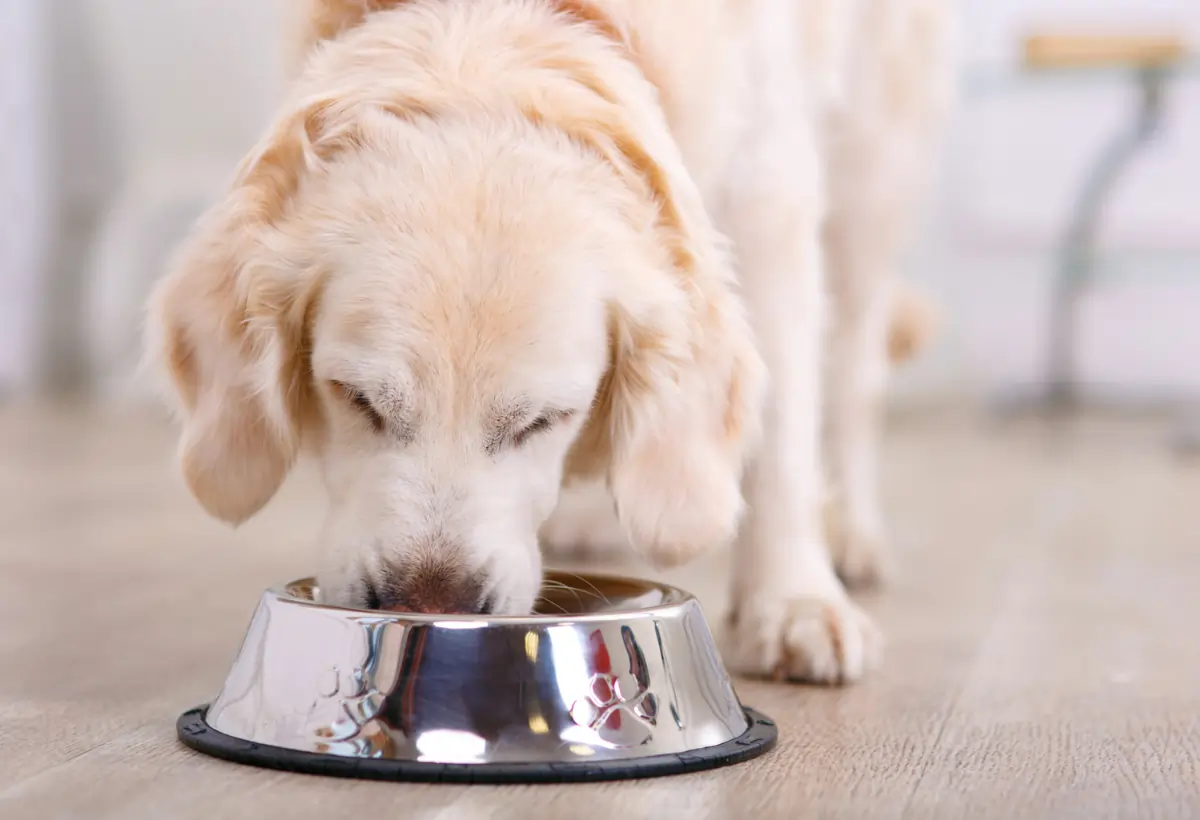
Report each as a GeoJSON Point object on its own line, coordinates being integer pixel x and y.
{"type": "Point", "coordinates": [449, 313]}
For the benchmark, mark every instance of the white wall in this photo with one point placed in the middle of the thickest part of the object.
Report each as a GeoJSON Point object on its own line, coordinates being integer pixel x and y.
{"type": "Point", "coordinates": [129, 86]}
{"type": "Point", "coordinates": [24, 210]}
{"type": "Point", "coordinates": [139, 83]}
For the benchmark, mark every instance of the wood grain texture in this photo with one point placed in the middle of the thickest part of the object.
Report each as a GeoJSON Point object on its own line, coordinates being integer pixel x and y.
{"type": "Point", "coordinates": [1043, 658]}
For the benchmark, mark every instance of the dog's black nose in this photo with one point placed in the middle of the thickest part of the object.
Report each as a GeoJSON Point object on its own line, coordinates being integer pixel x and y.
{"type": "Point", "coordinates": [429, 588]}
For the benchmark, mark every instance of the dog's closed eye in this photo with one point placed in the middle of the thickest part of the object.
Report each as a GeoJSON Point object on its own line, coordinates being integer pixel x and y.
{"type": "Point", "coordinates": [541, 424]}
{"type": "Point", "coordinates": [360, 402]}
{"type": "Point", "coordinates": [509, 435]}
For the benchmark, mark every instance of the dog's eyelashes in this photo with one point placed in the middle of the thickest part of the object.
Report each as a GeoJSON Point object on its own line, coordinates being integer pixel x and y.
{"type": "Point", "coordinates": [360, 402]}
{"type": "Point", "coordinates": [541, 424]}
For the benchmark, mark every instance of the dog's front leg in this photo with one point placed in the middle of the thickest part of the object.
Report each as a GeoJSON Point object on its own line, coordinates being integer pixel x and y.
{"type": "Point", "coordinates": [859, 254]}
{"type": "Point", "coordinates": [791, 617]}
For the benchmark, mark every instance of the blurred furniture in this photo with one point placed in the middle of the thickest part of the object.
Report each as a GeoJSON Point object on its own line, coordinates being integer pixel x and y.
{"type": "Point", "coordinates": [1045, 51]}
{"type": "Point", "coordinates": [1149, 63]}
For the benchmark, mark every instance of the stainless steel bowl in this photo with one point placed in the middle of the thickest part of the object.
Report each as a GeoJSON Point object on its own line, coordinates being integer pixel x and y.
{"type": "Point", "coordinates": [618, 678]}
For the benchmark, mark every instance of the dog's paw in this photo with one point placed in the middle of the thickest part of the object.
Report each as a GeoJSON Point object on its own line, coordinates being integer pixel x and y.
{"type": "Point", "coordinates": [862, 557]}
{"type": "Point", "coordinates": [816, 639]}
{"type": "Point", "coordinates": [860, 551]}
{"type": "Point", "coordinates": [584, 525]}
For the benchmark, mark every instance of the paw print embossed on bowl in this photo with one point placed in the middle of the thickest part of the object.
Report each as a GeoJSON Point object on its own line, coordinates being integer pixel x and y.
{"type": "Point", "coordinates": [360, 703]}
{"type": "Point", "coordinates": [617, 710]}
{"type": "Point", "coordinates": [620, 708]}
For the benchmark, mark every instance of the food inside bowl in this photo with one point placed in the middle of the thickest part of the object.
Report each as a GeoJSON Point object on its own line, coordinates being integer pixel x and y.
{"type": "Point", "coordinates": [564, 594]}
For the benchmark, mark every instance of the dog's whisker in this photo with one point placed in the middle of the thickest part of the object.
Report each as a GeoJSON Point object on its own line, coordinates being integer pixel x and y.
{"type": "Point", "coordinates": [574, 592]}
{"type": "Point", "coordinates": [542, 601]}
{"type": "Point", "coordinates": [562, 587]}
{"type": "Point", "coordinates": [594, 591]}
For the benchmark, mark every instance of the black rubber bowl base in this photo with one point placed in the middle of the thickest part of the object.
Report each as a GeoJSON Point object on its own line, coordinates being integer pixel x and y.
{"type": "Point", "coordinates": [195, 733]}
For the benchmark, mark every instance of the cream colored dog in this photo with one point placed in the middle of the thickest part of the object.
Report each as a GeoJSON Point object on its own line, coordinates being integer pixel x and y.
{"type": "Point", "coordinates": [482, 252]}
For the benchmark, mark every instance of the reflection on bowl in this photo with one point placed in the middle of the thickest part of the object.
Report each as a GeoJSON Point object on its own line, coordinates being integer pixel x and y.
{"type": "Point", "coordinates": [614, 677]}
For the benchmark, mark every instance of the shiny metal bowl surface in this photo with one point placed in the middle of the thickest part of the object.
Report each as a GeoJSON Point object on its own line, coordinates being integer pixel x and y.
{"type": "Point", "coordinates": [616, 677]}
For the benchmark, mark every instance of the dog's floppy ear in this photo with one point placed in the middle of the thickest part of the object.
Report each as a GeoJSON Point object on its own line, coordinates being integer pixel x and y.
{"type": "Point", "coordinates": [227, 325]}
{"type": "Point", "coordinates": [679, 408]}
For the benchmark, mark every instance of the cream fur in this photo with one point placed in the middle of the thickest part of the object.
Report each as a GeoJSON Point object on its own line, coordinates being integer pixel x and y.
{"type": "Point", "coordinates": [488, 247]}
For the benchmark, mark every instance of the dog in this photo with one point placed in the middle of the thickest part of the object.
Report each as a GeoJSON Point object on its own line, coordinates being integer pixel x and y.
{"type": "Point", "coordinates": [491, 248]}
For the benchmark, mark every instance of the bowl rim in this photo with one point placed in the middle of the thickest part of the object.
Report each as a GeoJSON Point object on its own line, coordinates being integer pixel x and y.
{"type": "Point", "coordinates": [676, 600]}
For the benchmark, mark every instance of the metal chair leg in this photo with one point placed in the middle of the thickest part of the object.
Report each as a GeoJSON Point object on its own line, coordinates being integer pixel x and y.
{"type": "Point", "coordinates": [1075, 270]}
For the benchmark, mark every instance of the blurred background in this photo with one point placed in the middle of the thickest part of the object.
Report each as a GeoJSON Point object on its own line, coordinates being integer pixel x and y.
{"type": "Point", "coordinates": [123, 118]}
{"type": "Point", "coordinates": [1041, 632]}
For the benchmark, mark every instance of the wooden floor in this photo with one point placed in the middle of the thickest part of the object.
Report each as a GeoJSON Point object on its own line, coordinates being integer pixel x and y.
{"type": "Point", "coordinates": [1043, 655]}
